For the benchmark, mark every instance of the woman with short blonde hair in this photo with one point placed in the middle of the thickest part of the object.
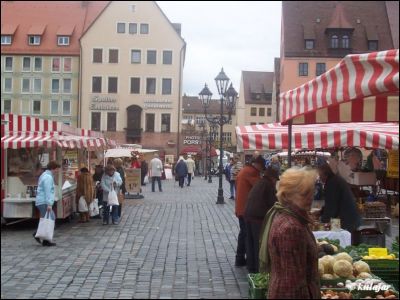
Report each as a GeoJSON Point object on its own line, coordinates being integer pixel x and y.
{"type": "Point", "coordinates": [288, 250]}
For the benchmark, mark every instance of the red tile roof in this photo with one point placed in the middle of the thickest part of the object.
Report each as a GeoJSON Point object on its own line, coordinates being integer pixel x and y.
{"type": "Point", "coordinates": [193, 105]}
{"type": "Point", "coordinates": [392, 9]}
{"type": "Point", "coordinates": [339, 19]}
{"type": "Point", "coordinates": [256, 82]}
{"type": "Point", "coordinates": [49, 18]}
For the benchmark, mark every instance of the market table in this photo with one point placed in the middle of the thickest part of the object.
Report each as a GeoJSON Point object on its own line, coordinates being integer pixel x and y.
{"type": "Point", "coordinates": [343, 236]}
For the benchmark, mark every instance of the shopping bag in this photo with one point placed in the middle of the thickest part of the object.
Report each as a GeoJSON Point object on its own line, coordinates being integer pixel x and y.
{"type": "Point", "coordinates": [82, 205]}
{"type": "Point", "coordinates": [146, 179]}
{"type": "Point", "coordinates": [94, 208]}
{"type": "Point", "coordinates": [112, 198]}
{"type": "Point", "coordinates": [45, 229]}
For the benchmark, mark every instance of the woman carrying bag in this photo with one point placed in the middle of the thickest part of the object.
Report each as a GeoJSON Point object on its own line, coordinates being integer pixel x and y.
{"type": "Point", "coordinates": [84, 194]}
{"type": "Point", "coordinates": [110, 183]}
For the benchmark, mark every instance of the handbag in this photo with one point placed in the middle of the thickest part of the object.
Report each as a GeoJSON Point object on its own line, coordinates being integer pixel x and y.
{"type": "Point", "coordinates": [112, 198]}
{"type": "Point", "coordinates": [45, 229]}
{"type": "Point", "coordinates": [82, 205]}
{"type": "Point", "coordinates": [94, 208]}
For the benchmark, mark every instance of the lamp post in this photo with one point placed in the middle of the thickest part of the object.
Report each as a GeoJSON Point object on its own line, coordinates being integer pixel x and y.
{"type": "Point", "coordinates": [203, 137]}
{"type": "Point", "coordinates": [229, 96]}
{"type": "Point", "coordinates": [213, 135]}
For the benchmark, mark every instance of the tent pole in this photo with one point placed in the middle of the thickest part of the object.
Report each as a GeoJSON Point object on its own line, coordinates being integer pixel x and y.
{"type": "Point", "coordinates": [290, 123]}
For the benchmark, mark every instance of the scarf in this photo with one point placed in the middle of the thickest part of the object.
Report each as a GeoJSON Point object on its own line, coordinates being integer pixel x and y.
{"type": "Point", "coordinates": [278, 208]}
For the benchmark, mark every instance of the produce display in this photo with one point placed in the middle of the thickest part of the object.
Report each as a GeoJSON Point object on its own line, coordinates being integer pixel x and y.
{"type": "Point", "coordinates": [330, 294]}
{"type": "Point", "coordinates": [373, 288]}
{"type": "Point", "coordinates": [261, 280]}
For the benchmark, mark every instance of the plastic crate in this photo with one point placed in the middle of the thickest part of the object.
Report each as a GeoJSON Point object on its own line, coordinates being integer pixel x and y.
{"type": "Point", "coordinates": [383, 264]}
{"type": "Point", "coordinates": [255, 293]}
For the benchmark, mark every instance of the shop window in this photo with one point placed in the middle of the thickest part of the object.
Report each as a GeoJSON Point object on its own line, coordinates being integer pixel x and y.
{"type": "Point", "coordinates": [150, 120]}
{"type": "Point", "coordinates": [165, 123]}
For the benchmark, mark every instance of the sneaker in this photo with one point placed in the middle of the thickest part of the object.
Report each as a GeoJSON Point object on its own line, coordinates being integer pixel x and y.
{"type": "Point", "coordinates": [48, 244]}
{"type": "Point", "coordinates": [37, 239]}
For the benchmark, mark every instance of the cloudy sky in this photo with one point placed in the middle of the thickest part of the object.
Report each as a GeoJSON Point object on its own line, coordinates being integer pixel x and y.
{"type": "Point", "coordinates": [236, 35]}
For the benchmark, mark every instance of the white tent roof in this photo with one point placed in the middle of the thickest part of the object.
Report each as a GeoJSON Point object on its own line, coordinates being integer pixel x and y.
{"type": "Point", "coordinates": [125, 152]}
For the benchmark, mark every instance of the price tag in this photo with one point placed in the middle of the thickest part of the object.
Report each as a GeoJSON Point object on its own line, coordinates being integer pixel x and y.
{"type": "Point", "coordinates": [378, 251]}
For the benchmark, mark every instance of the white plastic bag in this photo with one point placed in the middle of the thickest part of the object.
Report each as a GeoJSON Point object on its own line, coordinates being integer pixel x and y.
{"type": "Point", "coordinates": [82, 205]}
{"type": "Point", "coordinates": [146, 179]}
{"type": "Point", "coordinates": [45, 229]}
{"type": "Point", "coordinates": [112, 198]}
{"type": "Point", "coordinates": [94, 208]}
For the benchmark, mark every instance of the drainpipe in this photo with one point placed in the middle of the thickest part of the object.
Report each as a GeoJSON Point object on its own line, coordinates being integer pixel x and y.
{"type": "Point", "coordinates": [179, 102]}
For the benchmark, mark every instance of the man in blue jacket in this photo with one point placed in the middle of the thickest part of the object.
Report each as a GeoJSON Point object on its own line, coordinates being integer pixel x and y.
{"type": "Point", "coordinates": [45, 195]}
{"type": "Point", "coordinates": [181, 171]}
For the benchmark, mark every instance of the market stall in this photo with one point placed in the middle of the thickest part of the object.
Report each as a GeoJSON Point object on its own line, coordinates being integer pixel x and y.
{"type": "Point", "coordinates": [28, 144]}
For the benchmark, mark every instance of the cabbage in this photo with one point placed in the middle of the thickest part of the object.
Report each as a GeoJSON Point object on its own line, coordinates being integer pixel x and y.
{"type": "Point", "coordinates": [327, 261]}
{"type": "Point", "coordinates": [320, 269]}
{"type": "Point", "coordinates": [327, 277]}
{"type": "Point", "coordinates": [361, 266]}
{"type": "Point", "coordinates": [344, 256]}
{"type": "Point", "coordinates": [364, 275]}
{"type": "Point", "coordinates": [343, 268]}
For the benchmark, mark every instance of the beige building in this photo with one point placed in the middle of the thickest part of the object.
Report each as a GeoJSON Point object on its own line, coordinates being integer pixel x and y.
{"type": "Point", "coordinates": [131, 75]}
{"type": "Point", "coordinates": [255, 103]}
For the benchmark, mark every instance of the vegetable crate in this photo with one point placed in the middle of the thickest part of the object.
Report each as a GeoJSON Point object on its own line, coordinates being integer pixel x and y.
{"type": "Point", "coordinates": [254, 292]}
{"type": "Point", "coordinates": [386, 269]}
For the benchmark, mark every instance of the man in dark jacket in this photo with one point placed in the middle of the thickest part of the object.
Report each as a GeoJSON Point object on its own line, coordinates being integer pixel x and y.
{"type": "Point", "coordinates": [260, 200]}
{"type": "Point", "coordinates": [339, 200]}
{"type": "Point", "coordinates": [181, 171]}
{"type": "Point", "coordinates": [144, 169]}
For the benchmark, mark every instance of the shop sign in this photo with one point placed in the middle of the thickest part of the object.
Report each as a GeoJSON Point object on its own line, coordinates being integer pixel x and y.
{"type": "Point", "coordinates": [192, 140]}
{"type": "Point", "coordinates": [162, 104]}
{"type": "Point", "coordinates": [104, 103]}
{"type": "Point", "coordinates": [393, 164]}
{"type": "Point", "coordinates": [133, 180]}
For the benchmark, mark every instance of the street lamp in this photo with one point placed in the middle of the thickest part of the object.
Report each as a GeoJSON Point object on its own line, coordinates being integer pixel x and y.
{"type": "Point", "coordinates": [227, 96]}
{"type": "Point", "coordinates": [213, 135]}
{"type": "Point", "coordinates": [203, 138]}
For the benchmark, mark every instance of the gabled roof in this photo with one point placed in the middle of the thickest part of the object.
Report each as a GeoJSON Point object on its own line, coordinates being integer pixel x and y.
{"type": "Point", "coordinates": [193, 105]}
{"type": "Point", "coordinates": [256, 82]}
{"type": "Point", "coordinates": [49, 19]}
{"type": "Point", "coordinates": [339, 19]}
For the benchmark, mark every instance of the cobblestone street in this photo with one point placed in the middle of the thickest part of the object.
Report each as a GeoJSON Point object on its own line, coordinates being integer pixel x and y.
{"type": "Point", "coordinates": [175, 244]}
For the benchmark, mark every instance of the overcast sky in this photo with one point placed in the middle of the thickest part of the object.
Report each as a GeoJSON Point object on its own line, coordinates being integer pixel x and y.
{"type": "Point", "coordinates": [236, 35]}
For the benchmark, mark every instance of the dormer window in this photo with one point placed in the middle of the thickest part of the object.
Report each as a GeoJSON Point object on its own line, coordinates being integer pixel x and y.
{"type": "Point", "coordinates": [63, 40]}
{"type": "Point", "coordinates": [334, 41]}
{"type": "Point", "coordinates": [309, 44]}
{"type": "Point", "coordinates": [6, 39]}
{"type": "Point", "coordinates": [373, 45]}
{"type": "Point", "coordinates": [345, 42]}
{"type": "Point", "coordinates": [34, 40]}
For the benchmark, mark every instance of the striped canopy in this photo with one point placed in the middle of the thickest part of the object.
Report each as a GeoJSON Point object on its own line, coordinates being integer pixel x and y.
{"type": "Point", "coordinates": [361, 88]}
{"type": "Point", "coordinates": [321, 136]}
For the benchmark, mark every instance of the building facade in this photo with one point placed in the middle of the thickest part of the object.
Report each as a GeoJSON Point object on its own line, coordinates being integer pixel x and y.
{"type": "Point", "coordinates": [40, 57]}
{"type": "Point", "coordinates": [317, 35]}
{"type": "Point", "coordinates": [132, 63]}
{"type": "Point", "coordinates": [256, 103]}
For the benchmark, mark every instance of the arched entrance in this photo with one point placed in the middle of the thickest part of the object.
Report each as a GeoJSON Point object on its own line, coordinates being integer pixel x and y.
{"type": "Point", "coordinates": [134, 129]}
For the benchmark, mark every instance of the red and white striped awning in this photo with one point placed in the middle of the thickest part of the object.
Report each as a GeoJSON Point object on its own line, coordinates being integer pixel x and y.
{"type": "Point", "coordinates": [81, 142]}
{"type": "Point", "coordinates": [321, 136]}
{"type": "Point", "coordinates": [361, 88]}
{"type": "Point", "coordinates": [28, 140]}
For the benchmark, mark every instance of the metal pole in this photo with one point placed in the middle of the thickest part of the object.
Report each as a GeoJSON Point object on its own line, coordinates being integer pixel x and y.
{"type": "Point", "coordinates": [220, 199]}
{"type": "Point", "coordinates": [290, 143]}
{"type": "Point", "coordinates": [209, 156]}
{"type": "Point", "coordinates": [205, 156]}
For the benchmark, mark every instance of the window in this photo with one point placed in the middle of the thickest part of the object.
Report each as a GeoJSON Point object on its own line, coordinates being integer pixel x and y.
{"type": "Point", "coordinates": [37, 64]}
{"type": "Point", "coordinates": [96, 84]}
{"type": "Point", "coordinates": [345, 42]}
{"type": "Point", "coordinates": [166, 86]}
{"type": "Point", "coordinates": [113, 85]}
{"type": "Point", "coordinates": [320, 69]}
{"type": "Point", "coordinates": [373, 45]}
{"type": "Point", "coordinates": [261, 112]}
{"type": "Point", "coordinates": [167, 57]}
{"type": "Point", "coordinates": [7, 85]}
{"type": "Point", "coordinates": [334, 41]}
{"type": "Point", "coordinates": [111, 121]}
{"type": "Point", "coordinates": [309, 44]}
{"type": "Point", "coordinates": [6, 39]}
{"type": "Point", "coordinates": [67, 64]}
{"type": "Point", "coordinates": [227, 137]}
{"type": "Point", "coordinates": [96, 121]}
{"type": "Point", "coordinates": [54, 107]}
{"type": "Point", "coordinates": [25, 107]}
{"type": "Point", "coordinates": [135, 85]}
{"type": "Point", "coordinates": [136, 56]}
{"type": "Point", "coordinates": [37, 85]}
{"type": "Point", "coordinates": [120, 27]}
{"type": "Point", "coordinates": [26, 64]}
{"type": "Point", "coordinates": [55, 65]}
{"type": "Point", "coordinates": [36, 107]}
{"type": "Point", "coordinates": [26, 85]}
{"type": "Point", "coordinates": [66, 109]}
{"type": "Point", "coordinates": [150, 118]}
{"type": "Point", "coordinates": [150, 86]}
{"type": "Point", "coordinates": [132, 28]}
{"type": "Point", "coordinates": [303, 69]}
{"type": "Point", "coordinates": [8, 64]}
{"type": "Point", "coordinates": [144, 28]}
{"type": "Point", "coordinates": [34, 40]}
{"type": "Point", "coordinates": [97, 55]}
{"type": "Point", "coordinates": [113, 56]}
{"type": "Point", "coordinates": [63, 41]}
{"type": "Point", "coordinates": [268, 98]}
{"type": "Point", "coordinates": [200, 119]}
{"type": "Point", "coordinates": [55, 86]}
{"type": "Point", "coordinates": [67, 85]}
{"type": "Point", "coordinates": [269, 112]}
{"type": "Point", "coordinates": [165, 123]}
{"type": "Point", "coordinates": [253, 111]}
{"type": "Point", "coordinates": [151, 57]}
{"type": "Point", "coordinates": [6, 109]}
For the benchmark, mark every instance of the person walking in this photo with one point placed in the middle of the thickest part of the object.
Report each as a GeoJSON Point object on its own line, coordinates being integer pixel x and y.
{"type": "Point", "coordinates": [111, 180]}
{"type": "Point", "coordinates": [181, 170]}
{"type": "Point", "coordinates": [84, 188]}
{"type": "Point", "coordinates": [260, 200]}
{"type": "Point", "coordinates": [246, 179]}
{"type": "Point", "coordinates": [235, 169]}
{"type": "Point", "coordinates": [228, 177]}
{"type": "Point", "coordinates": [118, 164]}
{"type": "Point", "coordinates": [155, 172]}
{"type": "Point", "coordinates": [288, 250]}
{"type": "Point", "coordinates": [45, 195]}
{"type": "Point", "coordinates": [144, 169]}
{"type": "Point", "coordinates": [191, 167]}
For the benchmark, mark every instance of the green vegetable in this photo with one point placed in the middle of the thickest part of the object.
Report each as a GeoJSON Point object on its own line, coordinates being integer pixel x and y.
{"type": "Point", "coordinates": [261, 280]}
